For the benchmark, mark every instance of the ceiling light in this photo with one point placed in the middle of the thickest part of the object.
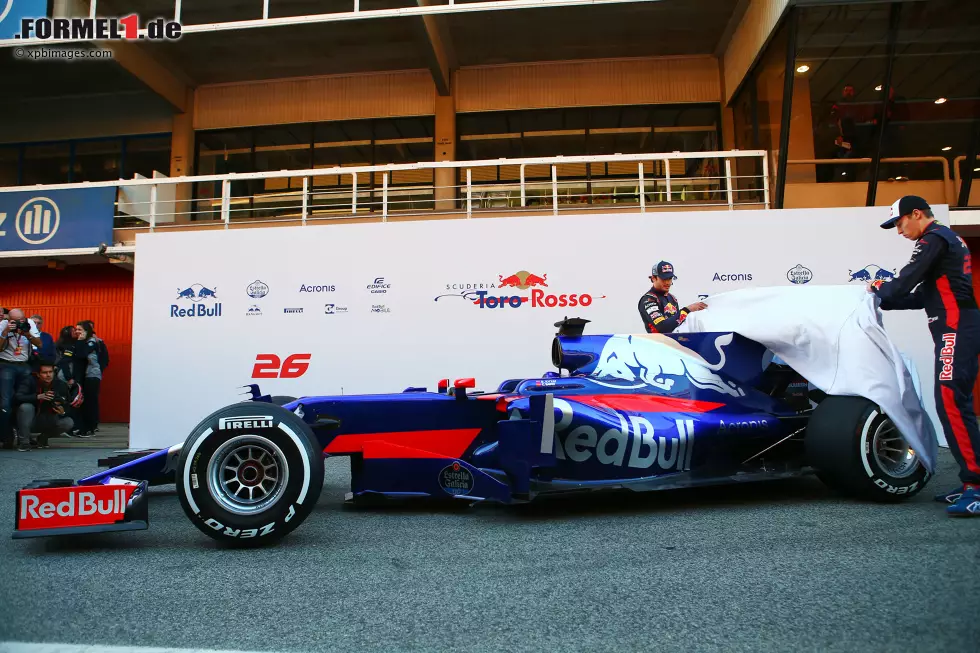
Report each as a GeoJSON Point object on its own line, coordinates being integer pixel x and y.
{"type": "Point", "coordinates": [947, 148]}
{"type": "Point", "coordinates": [941, 100]}
{"type": "Point", "coordinates": [803, 68]}
{"type": "Point", "coordinates": [878, 87]}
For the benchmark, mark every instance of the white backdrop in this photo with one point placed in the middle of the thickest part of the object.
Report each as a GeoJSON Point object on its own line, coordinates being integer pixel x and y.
{"type": "Point", "coordinates": [186, 367]}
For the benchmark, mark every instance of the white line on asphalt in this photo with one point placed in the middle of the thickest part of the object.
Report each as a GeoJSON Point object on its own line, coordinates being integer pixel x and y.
{"type": "Point", "coordinates": [25, 647]}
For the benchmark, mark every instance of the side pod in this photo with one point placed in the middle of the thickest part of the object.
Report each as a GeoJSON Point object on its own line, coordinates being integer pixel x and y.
{"type": "Point", "coordinates": [528, 443]}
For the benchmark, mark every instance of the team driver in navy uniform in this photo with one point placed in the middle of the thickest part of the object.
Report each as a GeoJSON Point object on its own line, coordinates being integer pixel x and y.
{"type": "Point", "coordinates": [658, 307]}
{"type": "Point", "coordinates": [941, 268]}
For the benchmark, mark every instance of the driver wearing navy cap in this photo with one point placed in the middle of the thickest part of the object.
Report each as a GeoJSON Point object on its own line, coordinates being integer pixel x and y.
{"type": "Point", "coordinates": [938, 278]}
{"type": "Point", "coordinates": [658, 308]}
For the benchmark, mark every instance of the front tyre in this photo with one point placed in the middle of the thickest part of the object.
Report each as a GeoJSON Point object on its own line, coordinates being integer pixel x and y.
{"type": "Point", "coordinates": [856, 449]}
{"type": "Point", "coordinates": [249, 474]}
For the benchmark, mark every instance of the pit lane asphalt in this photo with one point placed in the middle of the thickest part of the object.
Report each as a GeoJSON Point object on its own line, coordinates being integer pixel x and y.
{"type": "Point", "coordinates": [775, 566]}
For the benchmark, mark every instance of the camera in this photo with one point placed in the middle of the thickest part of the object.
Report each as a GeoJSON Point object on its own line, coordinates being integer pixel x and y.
{"type": "Point", "coordinates": [23, 326]}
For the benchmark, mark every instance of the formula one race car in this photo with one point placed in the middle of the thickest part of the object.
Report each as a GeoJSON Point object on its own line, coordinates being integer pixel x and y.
{"type": "Point", "coordinates": [640, 412]}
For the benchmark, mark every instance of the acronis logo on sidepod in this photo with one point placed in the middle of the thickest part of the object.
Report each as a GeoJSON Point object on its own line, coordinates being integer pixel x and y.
{"type": "Point", "coordinates": [203, 302]}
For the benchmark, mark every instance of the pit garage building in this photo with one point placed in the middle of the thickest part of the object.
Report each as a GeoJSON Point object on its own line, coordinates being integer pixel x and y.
{"type": "Point", "coordinates": [464, 109]}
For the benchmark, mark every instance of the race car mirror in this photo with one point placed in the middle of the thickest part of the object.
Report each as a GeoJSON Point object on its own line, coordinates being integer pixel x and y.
{"type": "Point", "coordinates": [460, 386]}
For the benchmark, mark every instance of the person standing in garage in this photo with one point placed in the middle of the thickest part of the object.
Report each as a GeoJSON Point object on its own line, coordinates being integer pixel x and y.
{"type": "Point", "coordinates": [939, 279]}
{"type": "Point", "coordinates": [658, 308]}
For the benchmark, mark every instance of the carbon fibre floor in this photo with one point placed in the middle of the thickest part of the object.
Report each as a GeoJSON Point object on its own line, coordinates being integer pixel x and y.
{"type": "Point", "coordinates": [771, 567]}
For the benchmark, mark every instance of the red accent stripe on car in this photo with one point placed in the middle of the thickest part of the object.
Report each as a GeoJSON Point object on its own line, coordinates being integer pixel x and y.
{"type": "Point", "coordinates": [959, 429]}
{"type": "Point", "coordinates": [647, 403]}
{"type": "Point", "coordinates": [949, 302]}
{"type": "Point", "coordinates": [446, 443]}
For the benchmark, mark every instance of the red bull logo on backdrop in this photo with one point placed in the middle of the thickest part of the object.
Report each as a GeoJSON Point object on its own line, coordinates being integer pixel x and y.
{"type": "Point", "coordinates": [197, 294]}
{"type": "Point", "coordinates": [497, 295]}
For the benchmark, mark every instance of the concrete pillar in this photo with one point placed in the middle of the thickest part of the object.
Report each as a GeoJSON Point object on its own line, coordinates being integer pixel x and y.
{"type": "Point", "coordinates": [727, 128]}
{"type": "Point", "coordinates": [801, 146]}
{"type": "Point", "coordinates": [182, 157]}
{"type": "Point", "coordinates": [445, 178]}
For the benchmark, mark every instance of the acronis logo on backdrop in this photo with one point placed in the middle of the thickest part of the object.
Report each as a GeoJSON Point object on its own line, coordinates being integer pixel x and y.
{"type": "Point", "coordinates": [202, 302]}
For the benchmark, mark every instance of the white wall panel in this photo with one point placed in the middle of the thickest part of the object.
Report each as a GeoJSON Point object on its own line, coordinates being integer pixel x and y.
{"type": "Point", "coordinates": [186, 367]}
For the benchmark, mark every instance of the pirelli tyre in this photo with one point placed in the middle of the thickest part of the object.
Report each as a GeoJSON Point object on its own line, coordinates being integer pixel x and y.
{"type": "Point", "coordinates": [282, 400]}
{"type": "Point", "coordinates": [858, 451]}
{"type": "Point", "coordinates": [249, 474]}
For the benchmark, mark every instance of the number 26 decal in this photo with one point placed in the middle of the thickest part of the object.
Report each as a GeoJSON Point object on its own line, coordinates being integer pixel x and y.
{"type": "Point", "coordinates": [269, 366]}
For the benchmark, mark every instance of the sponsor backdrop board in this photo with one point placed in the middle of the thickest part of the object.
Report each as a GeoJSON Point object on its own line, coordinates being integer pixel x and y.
{"type": "Point", "coordinates": [361, 308]}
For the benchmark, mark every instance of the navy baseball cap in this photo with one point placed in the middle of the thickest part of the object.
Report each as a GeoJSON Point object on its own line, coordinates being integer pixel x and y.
{"type": "Point", "coordinates": [904, 207]}
{"type": "Point", "coordinates": [664, 270]}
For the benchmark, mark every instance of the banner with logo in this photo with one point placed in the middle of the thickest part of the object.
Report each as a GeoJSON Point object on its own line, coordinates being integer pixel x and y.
{"type": "Point", "coordinates": [370, 308]}
{"type": "Point", "coordinates": [12, 11]}
{"type": "Point", "coordinates": [56, 219]}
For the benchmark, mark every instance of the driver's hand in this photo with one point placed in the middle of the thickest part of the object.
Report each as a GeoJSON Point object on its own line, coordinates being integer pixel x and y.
{"type": "Point", "coordinates": [60, 410]}
{"type": "Point", "coordinates": [46, 396]}
{"type": "Point", "coordinates": [697, 306]}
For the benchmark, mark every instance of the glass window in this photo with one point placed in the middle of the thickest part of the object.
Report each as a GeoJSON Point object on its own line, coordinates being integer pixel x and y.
{"type": "Point", "coordinates": [221, 152]}
{"type": "Point", "coordinates": [9, 161]}
{"type": "Point", "coordinates": [47, 163]}
{"type": "Point", "coordinates": [841, 59]}
{"type": "Point", "coordinates": [342, 144]}
{"type": "Point", "coordinates": [283, 147]}
{"type": "Point", "coordinates": [769, 79]}
{"type": "Point", "coordinates": [406, 140]}
{"type": "Point", "coordinates": [97, 160]}
{"type": "Point", "coordinates": [146, 154]}
{"type": "Point", "coordinates": [633, 129]}
{"type": "Point", "coordinates": [932, 103]}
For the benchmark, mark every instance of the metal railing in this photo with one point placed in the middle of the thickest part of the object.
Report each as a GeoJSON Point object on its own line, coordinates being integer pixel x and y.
{"type": "Point", "coordinates": [947, 181]}
{"type": "Point", "coordinates": [571, 184]}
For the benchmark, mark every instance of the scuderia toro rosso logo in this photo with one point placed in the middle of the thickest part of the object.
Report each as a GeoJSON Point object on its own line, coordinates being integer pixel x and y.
{"type": "Point", "coordinates": [505, 293]}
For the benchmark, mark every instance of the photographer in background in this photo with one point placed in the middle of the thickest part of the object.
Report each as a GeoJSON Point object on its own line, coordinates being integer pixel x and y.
{"type": "Point", "coordinates": [42, 407]}
{"type": "Point", "coordinates": [17, 334]}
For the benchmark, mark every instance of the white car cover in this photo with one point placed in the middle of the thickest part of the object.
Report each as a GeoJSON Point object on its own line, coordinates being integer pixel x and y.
{"type": "Point", "coordinates": [834, 337]}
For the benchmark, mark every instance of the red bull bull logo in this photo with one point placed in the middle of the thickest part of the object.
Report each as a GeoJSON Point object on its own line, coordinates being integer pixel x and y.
{"type": "Point", "coordinates": [196, 293]}
{"type": "Point", "coordinates": [522, 280]}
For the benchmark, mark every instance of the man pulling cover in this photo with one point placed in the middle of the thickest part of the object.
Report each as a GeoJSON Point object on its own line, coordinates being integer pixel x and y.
{"type": "Point", "coordinates": [938, 278]}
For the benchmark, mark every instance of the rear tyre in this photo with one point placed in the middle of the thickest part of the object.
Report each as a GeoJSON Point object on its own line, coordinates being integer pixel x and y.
{"type": "Point", "coordinates": [857, 450]}
{"type": "Point", "coordinates": [249, 474]}
{"type": "Point", "coordinates": [282, 400]}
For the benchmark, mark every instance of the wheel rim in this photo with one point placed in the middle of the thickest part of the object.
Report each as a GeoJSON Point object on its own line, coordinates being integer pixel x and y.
{"type": "Point", "coordinates": [892, 453]}
{"type": "Point", "coordinates": [248, 474]}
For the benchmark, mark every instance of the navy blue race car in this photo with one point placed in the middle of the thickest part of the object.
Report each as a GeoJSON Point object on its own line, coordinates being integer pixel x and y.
{"type": "Point", "coordinates": [640, 412]}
